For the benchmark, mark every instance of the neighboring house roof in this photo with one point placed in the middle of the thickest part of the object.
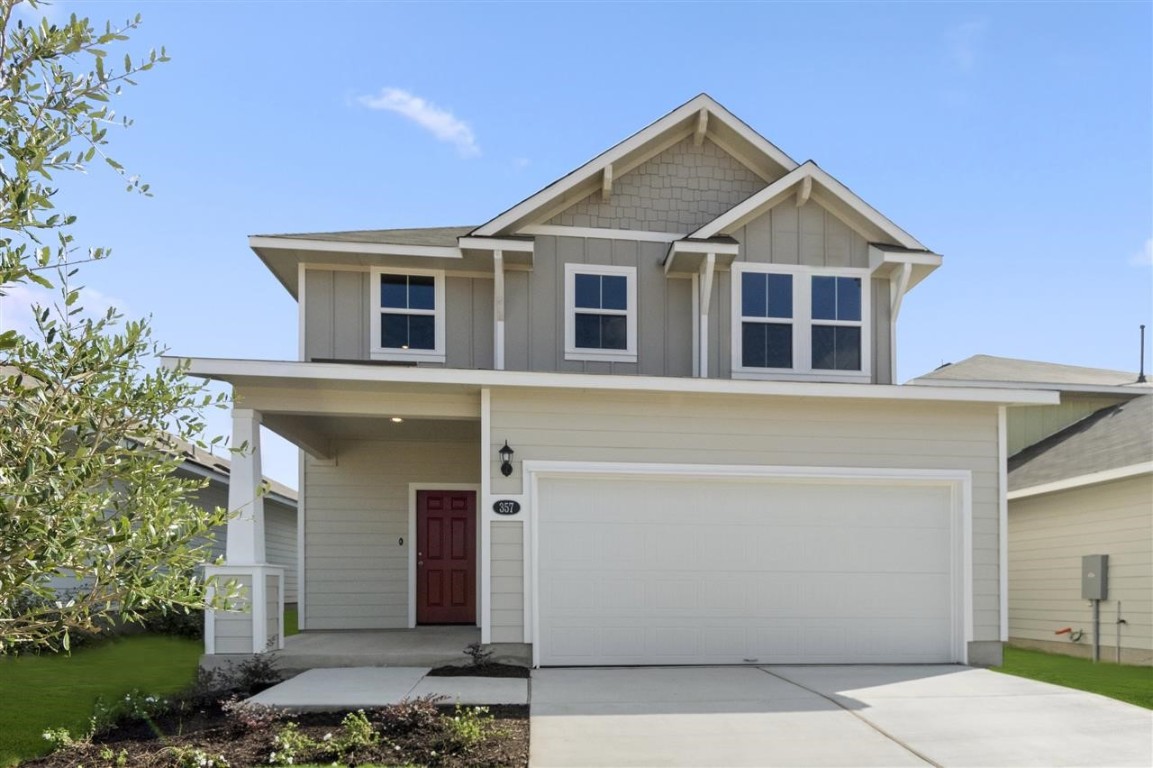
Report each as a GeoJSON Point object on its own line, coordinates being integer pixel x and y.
{"type": "Point", "coordinates": [218, 468]}
{"type": "Point", "coordinates": [987, 370]}
{"type": "Point", "coordinates": [1114, 438]}
{"type": "Point", "coordinates": [435, 236]}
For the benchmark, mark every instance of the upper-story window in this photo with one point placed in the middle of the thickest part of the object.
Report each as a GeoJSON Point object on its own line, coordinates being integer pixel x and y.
{"type": "Point", "coordinates": [800, 322]}
{"type": "Point", "coordinates": [600, 313]}
{"type": "Point", "coordinates": [408, 315]}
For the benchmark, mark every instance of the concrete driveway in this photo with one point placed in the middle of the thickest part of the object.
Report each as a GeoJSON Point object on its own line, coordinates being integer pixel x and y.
{"type": "Point", "coordinates": [826, 716]}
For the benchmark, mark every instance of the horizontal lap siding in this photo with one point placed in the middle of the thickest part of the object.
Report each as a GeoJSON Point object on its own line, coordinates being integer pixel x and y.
{"type": "Point", "coordinates": [692, 429]}
{"type": "Point", "coordinates": [357, 513]}
{"type": "Point", "coordinates": [507, 582]}
{"type": "Point", "coordinates": [233, 629]}
{"type": "Point", "coordinates": [280, 543]}
{"type": "Point", "coordinates": [1048, 535]}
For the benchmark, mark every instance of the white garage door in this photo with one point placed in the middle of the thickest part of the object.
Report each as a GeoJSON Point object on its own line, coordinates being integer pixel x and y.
{"type": "Point", "coordinates": [643, 570]}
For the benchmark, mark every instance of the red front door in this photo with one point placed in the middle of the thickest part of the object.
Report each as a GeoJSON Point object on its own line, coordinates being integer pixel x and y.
{"type": "Point", "coordinates": [445, 557]}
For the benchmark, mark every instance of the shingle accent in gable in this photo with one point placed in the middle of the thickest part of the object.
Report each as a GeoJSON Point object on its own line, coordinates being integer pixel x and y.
{"type": "Point", "coordinates": [679, 190]}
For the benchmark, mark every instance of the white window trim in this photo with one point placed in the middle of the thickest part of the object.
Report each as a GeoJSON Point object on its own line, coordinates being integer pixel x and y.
{"type": "Point", "coordinates": [571, 350]}
{"type": "Point", "coordinates": [802, 322]}
{"type": "Point", "coordinates": [435, 355]}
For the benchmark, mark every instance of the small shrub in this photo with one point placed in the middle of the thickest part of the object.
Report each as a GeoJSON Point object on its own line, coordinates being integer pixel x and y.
{"type": "Point", "coordinates": [58, 738]}
{"type": "Point", "coordinates": [479, 654]}
{"type": "Point", "coordinates": [175, 622]}
{"type": "Point", "coordinates": [356, 733]}
{"type": "Point", "coordinates": [255, 674]}
{"type": "Point", "coordinates": [251, 717]}
{"type": "Point", "coordinates": [117, 759]}
{"type": "Point", "coordinates": [135, 706]}
{"type": "Point", "coordinates": [409, 715]}
{"type": "Point", "coordinates": [194, 757]}
{"type": "Point", "coordinates": [469, 726]}
{"type": "Point", "coordinates": [290, 746]}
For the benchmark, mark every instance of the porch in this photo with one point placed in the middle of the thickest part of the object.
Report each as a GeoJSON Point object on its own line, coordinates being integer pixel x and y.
{"type": "Point", "coordinates": [418, 647]}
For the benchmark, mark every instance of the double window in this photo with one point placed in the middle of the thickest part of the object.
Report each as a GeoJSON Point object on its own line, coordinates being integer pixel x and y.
{"type": "Point", "coordinates": [600, 313]}
{"type": "Point", "coordinates": [799, 321]}
{"type": "Point", "coordinates": [409, 315]}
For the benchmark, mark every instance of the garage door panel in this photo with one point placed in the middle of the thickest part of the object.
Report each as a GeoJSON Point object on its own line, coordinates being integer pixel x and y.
{"type": "Point", "coordinates": [660, 571]}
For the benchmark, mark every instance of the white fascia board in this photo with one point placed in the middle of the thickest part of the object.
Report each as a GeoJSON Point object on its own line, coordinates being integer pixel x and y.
{"type": "Point", "coordinates": [597, 165]}
{"type": "Point", "coordinates": [340, 246]}
{"type": "Point", "coordinates": [767, 196]}
{"type": "Point", "coordinates": [922, 263]}
{"type": "Point", "coordinates": [1093, 478]}
{"type": "Point", "coordinates": [495, 244]}
{"type": "Point", "coordinates": [704, 246]}
{"type": "Point", "coordinates": [289, 371]}
{"type": "Point", "coordinates": [1124, 390]}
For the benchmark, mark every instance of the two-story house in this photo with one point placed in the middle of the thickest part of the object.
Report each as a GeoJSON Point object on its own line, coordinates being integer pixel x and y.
{"type": "Point", "coordinates": [645, 416]}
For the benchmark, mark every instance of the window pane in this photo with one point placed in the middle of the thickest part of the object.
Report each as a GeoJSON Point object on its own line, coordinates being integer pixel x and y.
{"type": "Point", "coordinates": [421, 332]}
{"type": "Point", "coordinates": [848, 298]}
{"type": "Point", "coordinates": [588, 291]}
{"type": "Point", "coordinates": [848, 349]}
{"type": "Point", "coordinates": [394, 331]}
{"type": "Point", "coordinates": [836, 348]}
{"type": "Point", "coordinates": [780, 295]}
{"type": "Point", "coordinates": [824, 298]}
{"type": "Point", "coordinates": [766, 345]}
{"type": "Point", "coordinates": [420, 292]}
{"type": "Point", "coordinates": [614, 332]}
{"type": "Point", "coordinates": [394, 291]}
{"type": "Point", "coordinates": [754, 297]}
{"type": "Point", "coordinates": [614, 292]}
{"type": "Point", "coordinates": [588, 331]}
{"type": "Point", "coordinates": [824, 347]}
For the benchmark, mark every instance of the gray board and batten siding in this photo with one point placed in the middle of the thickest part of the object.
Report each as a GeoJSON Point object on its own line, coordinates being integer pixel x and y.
{"type": "Point", "coordinates": [339, 320]}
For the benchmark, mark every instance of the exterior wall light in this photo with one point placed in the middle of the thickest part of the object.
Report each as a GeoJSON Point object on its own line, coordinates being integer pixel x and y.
{"type": "Point", "coordinates": [506, 459]}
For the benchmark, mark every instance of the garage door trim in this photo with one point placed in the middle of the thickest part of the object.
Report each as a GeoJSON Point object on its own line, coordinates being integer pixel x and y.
{"type": "Point", "coordinates": [958, 481]}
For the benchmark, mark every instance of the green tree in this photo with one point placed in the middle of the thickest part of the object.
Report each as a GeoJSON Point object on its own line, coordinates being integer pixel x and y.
{"type": "Point", "coordinates": [87, 419]}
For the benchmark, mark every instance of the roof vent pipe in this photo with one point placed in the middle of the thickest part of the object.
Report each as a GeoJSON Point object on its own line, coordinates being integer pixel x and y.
{"type": "Point", "coordinates": [1141, 374]}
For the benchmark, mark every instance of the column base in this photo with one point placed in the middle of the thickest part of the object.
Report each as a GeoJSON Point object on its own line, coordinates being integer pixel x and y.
{"type": "Point", "coordinates": [257, 624]}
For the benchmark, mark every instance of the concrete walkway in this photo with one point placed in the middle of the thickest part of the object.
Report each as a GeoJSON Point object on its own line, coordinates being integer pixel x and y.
{"type": "Point", "coordinates": [367, 687]}
{"type": "Point", "coordinates": [826, 716]}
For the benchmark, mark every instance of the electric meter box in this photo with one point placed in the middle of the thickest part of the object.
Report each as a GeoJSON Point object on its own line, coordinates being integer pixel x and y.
{"type": "Point", "coordinates": [1095, 577]}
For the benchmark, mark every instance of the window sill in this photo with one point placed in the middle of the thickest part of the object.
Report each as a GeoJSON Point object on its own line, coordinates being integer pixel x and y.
{"type": "Point", "coordinates": [426, 356]}
{"type": "Point", "coordinates": [600, 357]}
{"type": "Point", "coordinates": [846, 377]}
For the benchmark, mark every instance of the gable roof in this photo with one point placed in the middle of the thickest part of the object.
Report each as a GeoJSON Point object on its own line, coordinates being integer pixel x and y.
{"type": "Point", "coordinates": [1113, 438]}
{"type": "Point", "coordinates": [700, 115]}
{"type": "Point", "coordinates": [987, 369]}
{"type": "Point", "coordinates": [830, 192]}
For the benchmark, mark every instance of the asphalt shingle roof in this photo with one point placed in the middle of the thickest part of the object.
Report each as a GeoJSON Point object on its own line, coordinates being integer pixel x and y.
{"type": "Point", "coordinates": [442, 236]}
{"type": "Point", "coordinates": [1008, 369]}
{"type": "Point", "coordinates": [1113, 437]}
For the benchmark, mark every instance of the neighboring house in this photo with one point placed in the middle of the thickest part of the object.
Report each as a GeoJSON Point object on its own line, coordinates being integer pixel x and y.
{"type": "Point", "coordinates": [280, 515]}
{"type": "Point", "coordinates": [687, 344]}
{"type": "Point", "coordinates": [1080, 483]}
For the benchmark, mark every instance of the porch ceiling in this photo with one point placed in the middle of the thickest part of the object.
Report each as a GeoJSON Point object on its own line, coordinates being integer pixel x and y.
{"type": "Point", "coordinates": [333, 428]}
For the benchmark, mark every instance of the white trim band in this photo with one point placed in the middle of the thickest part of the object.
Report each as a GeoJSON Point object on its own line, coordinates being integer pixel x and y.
{"type": "Point", "coordinates": [1080, 481]}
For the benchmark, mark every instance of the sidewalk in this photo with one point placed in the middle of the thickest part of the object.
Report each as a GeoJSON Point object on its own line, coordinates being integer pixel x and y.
{"type": "Point", "coordinates": [366, 687]}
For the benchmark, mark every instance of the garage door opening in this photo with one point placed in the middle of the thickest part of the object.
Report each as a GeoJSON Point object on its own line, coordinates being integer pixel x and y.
{"type": "Point", "coordinates": [673, 569]}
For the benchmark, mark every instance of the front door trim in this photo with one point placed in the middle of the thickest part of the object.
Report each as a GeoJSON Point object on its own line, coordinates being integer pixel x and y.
{"type": "Point", "coordinates": [410, 542]}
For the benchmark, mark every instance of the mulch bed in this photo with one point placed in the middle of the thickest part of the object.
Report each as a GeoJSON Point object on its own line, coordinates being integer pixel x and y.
{"type": "Point", "coordinates": [481, 670]}
{"type": "Point", "coordinates": [152, 745]}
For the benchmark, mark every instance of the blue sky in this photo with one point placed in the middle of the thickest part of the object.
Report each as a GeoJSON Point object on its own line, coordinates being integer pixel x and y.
{"type": "Point", "coordinates": [1015, 139]}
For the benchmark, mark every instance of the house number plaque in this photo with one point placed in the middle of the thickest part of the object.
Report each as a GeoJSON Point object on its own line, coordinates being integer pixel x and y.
{"type": "Point", "coordinates": [506, 507]}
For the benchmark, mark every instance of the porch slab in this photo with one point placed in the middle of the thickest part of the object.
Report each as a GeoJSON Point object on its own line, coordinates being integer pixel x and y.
{"type": "Point", "coordinates": [419, 647]}
{"type": "Point", "coordinates": [368, 687]}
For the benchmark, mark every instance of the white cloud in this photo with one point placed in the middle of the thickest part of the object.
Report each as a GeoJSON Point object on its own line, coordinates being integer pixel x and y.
{"type": "Point", "coordinates": [963, 43]}
{"type": "Point", "coordinates": [520, 163]}
{"type": "Point", "coordinates": [17, 302]}
{"type": "Point", "coordinates": [441, 123]}
{"type": "Point", "coordinates": [1143, 257]}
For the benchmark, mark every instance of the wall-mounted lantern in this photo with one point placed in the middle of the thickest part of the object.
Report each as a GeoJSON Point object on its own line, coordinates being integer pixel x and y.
{"type": "Point", "coordinates": [506, 459]}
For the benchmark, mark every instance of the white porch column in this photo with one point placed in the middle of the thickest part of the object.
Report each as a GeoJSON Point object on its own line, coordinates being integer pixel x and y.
{"type": "Point", "coordinates": [255, 623]}
{"type": "Point", "coordinates": [246, 529]}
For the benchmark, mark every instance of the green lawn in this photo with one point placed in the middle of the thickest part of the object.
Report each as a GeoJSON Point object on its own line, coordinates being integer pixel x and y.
{"type": "Point", "coordinates": [290, 625]}
{"type": "Point", "coordinates": [56, 691]}
{"type": "Point", "coordinates": [1123, 682]}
